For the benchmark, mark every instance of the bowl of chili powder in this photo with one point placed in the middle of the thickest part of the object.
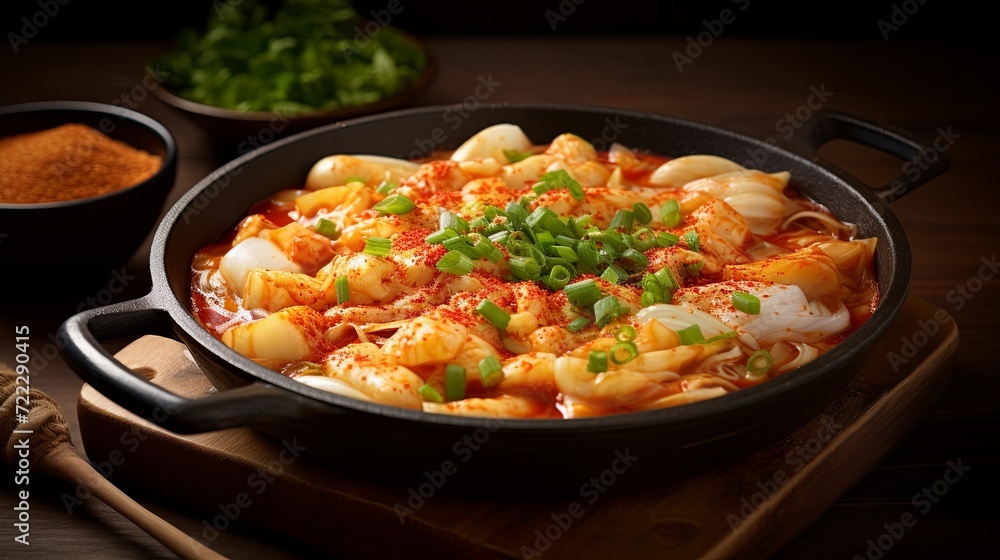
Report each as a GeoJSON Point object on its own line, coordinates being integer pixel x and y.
{"type": "Point", "coordinates": [81, 187]}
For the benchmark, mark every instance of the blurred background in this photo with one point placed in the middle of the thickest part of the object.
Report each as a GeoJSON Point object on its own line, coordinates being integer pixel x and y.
{"type": "Point", "coordinates": [926, 19]}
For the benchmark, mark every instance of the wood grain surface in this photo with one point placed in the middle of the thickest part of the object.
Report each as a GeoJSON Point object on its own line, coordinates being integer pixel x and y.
{"type": "Point", "coordinates": [745, 84]}
{"type": "Point", "coordinates": [744, 510]}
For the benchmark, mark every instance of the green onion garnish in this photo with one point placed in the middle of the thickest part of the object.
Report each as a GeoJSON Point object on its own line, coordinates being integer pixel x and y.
{"type": "Point", "coordinates": [608, 309]}
{"type": "Point", "coordinates": [327, 228]}
{"type": "Point", "coordinates": [558, 278]}
{"type": "Point", "coordinates": [564, 253]}
{"type": "Point", "coordinates": [589, 257]}
{"type": "Point", "coordinates": [395, 204]}
{"type": "Point", "coordinates": [490, 370]}
{"type": "Point", "coordinates": [693, 243]}
{"type": "Point", "coordinates": [759, 363]}
{"type": "Point", "coordinates": [693, 270]}
{"type": "Point", "coordinates": [670, 213]}
{"type": "Point", "coordinates": [486, 247]}
{"type": "Point", "coordinates": [666, 239]}
{"type": "Point", "coordinates": [354, 180]}
{"type": "Point", "coordinates": [545, 219]}
{"type": "Point", "coordinates": [633, 260]}
{"type": "Point", "coordinates": [496, 316]}
{"type": "Point", "coordinates": [626, 333]}
{"type": "Point", "coordinates": [454, 382]}
{"type": "Point", "coordinates": [623, 352]}
{"type": "Point", "coordinates": [453, 221]}
{"type": "Point", "coordinates": [643, 240]}
{"type": "Point", "coordinates": [614, 275]}
{"type": "Point", "coordinates": [583, 293]}
{"type": "Point", "coordinates": [747, 303]}
{"type": "Point", "coordinates": [343, 290]}
{"type": "Point", "coordinates": [430, 394]}
{"type": "Point", "coordinates": [642, 213]}
{"type": "Point", "coordinates": [386, 187]}
{"type": "Point", "coordinates": [377, 246]}
{"type": "Point", "coordinates": [524, 268]}
{"type": "Point", "coordinates": [516, 214]}
{"type": "Point", "coordinates": [691, 335]}
{"type": "Point", "coordinates": [515, 156]}
{"type": "Point", "coordinates": [718, 337]}
{"type": "Point", "coordinates": [559, 179]}
{"type": "Point", "coordinates": [647, 299]}
{"type": "Point", "coordinates": [578, 324]}
{"type": "Point", "coordinates": [440, 236]}
{"type": "Point", "coordinates": [597, 361]}
{"type": "Point", "coordinates": [456, 263]}
{"type": "Point", "coordinates": [623, 220]}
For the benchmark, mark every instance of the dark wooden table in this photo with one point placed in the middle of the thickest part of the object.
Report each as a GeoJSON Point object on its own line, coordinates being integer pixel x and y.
{"type": "Point", "coordinates": [744, 84]}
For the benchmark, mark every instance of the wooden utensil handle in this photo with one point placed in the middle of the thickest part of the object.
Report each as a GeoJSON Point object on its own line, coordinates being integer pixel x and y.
{"type": "Point", "coordinates": [65, 463]}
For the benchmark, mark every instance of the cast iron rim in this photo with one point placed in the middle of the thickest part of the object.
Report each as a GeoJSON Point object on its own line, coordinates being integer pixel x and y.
{"type": "Point", "coordinates": [703, 412]}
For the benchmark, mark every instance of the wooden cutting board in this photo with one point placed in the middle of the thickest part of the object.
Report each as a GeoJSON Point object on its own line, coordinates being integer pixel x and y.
{"type": "Point", "coordinates": [746, 510]}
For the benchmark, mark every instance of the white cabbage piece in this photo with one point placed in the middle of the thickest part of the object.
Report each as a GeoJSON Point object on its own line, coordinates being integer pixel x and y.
{"type": "Point", "coordinates": [490, 142]}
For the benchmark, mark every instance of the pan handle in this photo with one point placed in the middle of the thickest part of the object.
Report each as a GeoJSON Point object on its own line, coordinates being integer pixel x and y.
{"type": "Point", "coordinates": [925, 159]}
{"type": "Point", "coordinates": [80, 338]}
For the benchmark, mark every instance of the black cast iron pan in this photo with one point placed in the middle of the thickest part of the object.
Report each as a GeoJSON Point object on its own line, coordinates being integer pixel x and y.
{"type": "Point", "coordinates": [403, 444]}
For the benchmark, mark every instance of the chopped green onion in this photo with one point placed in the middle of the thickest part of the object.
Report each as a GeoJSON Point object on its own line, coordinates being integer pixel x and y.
{"type": "Point", "coordinates": [327, 228]}
{"type": "Point", "coordinates": [544, 239]}
{"type": "Point", "coordinates": [464, 245]}
{"type": "Point", "coordinates": [440, 236]}
{"type": "Point", "coordinates": [499, 237]}
{"type": "Point", "coordinates": [747, 303]}
{"type": "Point", "coordinates": [454, 382]}
{"type": "Point", "coordinates": [693, 270]}
{"type": "Point", "coordinates": [564, 253]}
{"type": "Point", "coordinates": [343, 290]}
{"type": "Point", "coordinates": [560, 179]}
{"type": "Point", "coordinates": [354, 180]}
{"type": "Point", "coordinates": [666, 239]}
{"type": "Point", "coordinates": [759, 363]}
{"type": "Point", "coordinates": [491, 213]}
{"type": "Point", "coordinates": [515, 156]}
{"type": "Point", "coordinates": [642, 213]}
{"type": "Point", "coordinates": [395, 204]}
{"type": "Point", "coordinates": [558, 278]}
{"type": "Point", "coordinates": [597, 361]}
{"type": "Point", "coordinates": [666, 278]}
{"type": "Point", "coordinates": [626, 333]}
{"type": "Point", "coordinates": [633, 260]}
{"type": "Point", "coordinates": [430, 394]}
{"type": "Point", "coordinates": [545, 219]}
{"type": "Point", "coordinates": [386, 187]}
{"type": "Point", "coordinates": [578, 225]}
{"type": "Point", "coordinates": [718, 337]}
{"type": "Point", "coordinates": [454, 221]}
{"type": "Point", "coordinates": [487, 248]}
{"type": "Point", "coordinates": [608, 309]}
{"type": "Point", "coordinates": [490, 370]}
{"type": "Point", "coordinates": [623, 352]}
{"type": "Point", "coordinates": [647, 299]}
{"type": "Point", "coordinates": [670, 213]}
{"type": "Point", "coordinates": [524, 268]}
{"type": "Point", "coordinates": [583, 293]}
{"type": "Point", "coordinates": [643, 240]}
{"type": "Point", "coordinates": [693, 243]}
{"type": "Point", "coordinates": [691, 335]}
{"type": "Point", "coordinates": [456, 263]}
{"type": "Point", "coordinates": [377, 246]}
{"type": "Point", "coordinates": [587, 251]}
{"type": "Point", "coordinates": [578, 324]}
{"type": "Point", "coordinates": [623, 220]}
{"type": "Point", "coordinates": [565, 241]}
{"type": "Point", "coordinates": [496, 316]}
{"type": "Point", "coordinates": [614, 275]}
{"type": "Point", "coordinates": [516, 214]}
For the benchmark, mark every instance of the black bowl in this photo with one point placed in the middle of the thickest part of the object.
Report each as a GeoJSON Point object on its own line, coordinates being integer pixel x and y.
{"type": "Point", "coordinates": [57, 249]}
{"type": "Point", "coordinates": [401, 443]}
